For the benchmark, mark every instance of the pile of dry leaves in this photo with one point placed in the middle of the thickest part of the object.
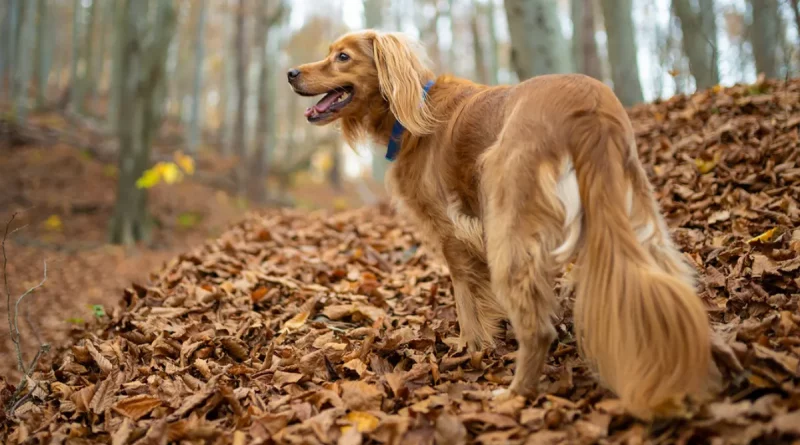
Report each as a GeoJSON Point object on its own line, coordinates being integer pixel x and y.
{"type": "Point", "coordinates": [311, 328]}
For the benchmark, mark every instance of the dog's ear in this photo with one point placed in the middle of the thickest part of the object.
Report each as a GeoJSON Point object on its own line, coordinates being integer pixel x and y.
{"type": "Point", "coordinates": [401, 76]}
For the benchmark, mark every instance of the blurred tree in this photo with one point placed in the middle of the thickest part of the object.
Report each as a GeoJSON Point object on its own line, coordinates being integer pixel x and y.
{"type": "Point", "coordinates": [77, 9]}
{"type": "Point", "coordinates": [24, 60]}
{"type": "Point", "coordinates": [106, 14]}
{"type": "Point", "coordinates": [428, 34]}
{"type": "Point", "coordinates": [699, 29]}
{"type": "Point", "coordinates": [584, 44]}
{"type": "Point", "coordinates": [10, 40]}
{"type": "Point", "coordinates": [622, 50]}
{"type": "Point", "coordinates": [373, 18]}
{"type": "Point", "coordinates": [481, 70]}
{"type": "Point", "coordinates": [764, 36]}
{"type": "Point", "coordinates": [537, 44]}
{"type": "Point", "coordinates": [199, 55]}
{"type": "Point", "coordinates": [43, 51]}
{"type": "Point", "coordinates": [494, 65]}
{"type": "Point", "coordinates": [373, 13]}
{"type": "Point", "coordinates": [145, 39]}
{"type": "Point", "coordinates": [239, 146]}
{"type": "Point", "coordinates": [451, 52]}
{"type": "Point", "coordinates": [269, 13]}
{"type": "Point", "coordinates": [795, 5]}
{"type": "Point", "coordinates": [86, 83]}
{"type": "Point", "coordinates": [117, 52]}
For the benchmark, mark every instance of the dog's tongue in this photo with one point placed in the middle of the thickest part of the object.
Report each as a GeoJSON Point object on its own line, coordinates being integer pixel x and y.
{"type": "Point", "coordinates": [325, 103]}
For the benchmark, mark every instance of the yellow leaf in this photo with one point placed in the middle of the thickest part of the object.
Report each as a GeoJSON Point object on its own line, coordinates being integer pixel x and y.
{"type": "Point", "coordinates": [716, 88]}
{"type": "Point", "coordinates": [674, 73]}
{"type": "Point", "coordinates": [171, 173]}
{"type": "Point", "coordinates": [53, 223]}
{"type": "Point", "coordinates": [363, 421]}
{"type": "Point", "coordinates": [185, 162]}
{"type": "Point", "coordinates": [297, 321]}
{"type": "Point", "coordinates": [149, 179]}
{"type": "Point", "coordinates": [764, 237]}
{"type": "Point", "coordinates": [704, 166]}
{"type": "Point", "coordinates": [340, 203]}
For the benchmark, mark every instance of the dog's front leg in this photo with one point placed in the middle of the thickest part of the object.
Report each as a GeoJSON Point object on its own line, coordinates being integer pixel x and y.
{"type": "Point", "coordinates": [479, 313]}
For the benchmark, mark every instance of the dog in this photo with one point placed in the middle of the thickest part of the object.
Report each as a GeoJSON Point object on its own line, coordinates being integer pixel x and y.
{"type": "Point", "coordinates": [508, 184]}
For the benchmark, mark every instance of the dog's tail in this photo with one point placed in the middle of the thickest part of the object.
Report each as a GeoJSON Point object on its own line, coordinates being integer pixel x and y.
{"type": "Point", "coordinates": [638, 319]}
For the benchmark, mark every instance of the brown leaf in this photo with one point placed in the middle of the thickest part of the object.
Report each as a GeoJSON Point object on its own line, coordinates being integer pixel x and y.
{"type": "Point", "coordinates": [282, 378]}
{"type": "Point", "coordinates": [361, 396]}
{"type": "Point", "coordinates": [450, 430]}
{"type": "Point", "coordinates": [138, 406]}
{"type": "Point", "coordinates": [787, 362]}
{"type": "Point", "coordinates": [103, 363]}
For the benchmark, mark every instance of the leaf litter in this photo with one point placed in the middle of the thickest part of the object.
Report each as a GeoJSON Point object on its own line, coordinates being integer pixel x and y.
{"type": "Point", "coordinates": [318, 328]}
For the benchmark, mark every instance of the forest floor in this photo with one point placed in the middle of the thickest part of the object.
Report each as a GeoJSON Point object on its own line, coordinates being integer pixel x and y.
{"type": "Point", "coordinates": [61, 192]}
{"type": "Point", "coordinates": [317, 327]}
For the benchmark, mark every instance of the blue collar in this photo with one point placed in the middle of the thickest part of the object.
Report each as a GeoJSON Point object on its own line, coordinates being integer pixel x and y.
{"type": "Point", "coordinates": [398, 129]}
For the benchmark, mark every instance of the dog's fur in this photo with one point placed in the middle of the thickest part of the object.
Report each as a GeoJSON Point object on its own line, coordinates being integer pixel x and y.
{"type": "Point", "coordinates": [509, 183]}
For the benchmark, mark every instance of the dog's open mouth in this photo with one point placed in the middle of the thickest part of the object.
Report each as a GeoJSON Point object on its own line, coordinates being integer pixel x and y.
{"type": "Point", "coordinates": [332, 102]}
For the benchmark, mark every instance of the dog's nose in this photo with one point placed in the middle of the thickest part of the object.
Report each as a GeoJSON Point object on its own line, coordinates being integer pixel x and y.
{"type": "Point", "coordinates": [293, 73]}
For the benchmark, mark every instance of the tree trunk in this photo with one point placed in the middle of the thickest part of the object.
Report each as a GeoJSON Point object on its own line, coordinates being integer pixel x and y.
{"type": "Point", "coordinates": [199, 48]}
{"type": "Point", "coordinates": [106, 15]}
{"type": "Point", "coordinates": [12, 18]}
{"type": "Point", "coordinates": [77, 8]}
{"type": "Point", "coordinates": [373, 13]}
{"type": "Point", "coordinates": [142, 72]}
{"type": "Point", "coordinates": [481, 74]}
{"type": "Point", "coordinates": [699, 40]}
{"type": "Point", "coordinates": [24, 61]}
{"type": "Point", "coordinates": [764, 36]}
{"type": "Point", "coordinates": [537, 44]}
{"type": "Point", "coordinates": [373, 18]}
{"type": "Point", "coordinates": [86, 84]}
{"type": "Point", "coordinates": [494, 64]}
{"type": "Point", "coordinates": [584, 44]}
{"type": "Point", "coordinates": [621, 38]}
{"type": "Point", "coordinates": [451, 52]}
{"type": "Point", "coordinates": [42, 53]}
{"type": "Point", "coordinates": [116, 67]}
{"type": "Point", "coordinates": [795, 5]}
{"type": "Point", "coordinates": [239, 146]}
{"type": "Point", "coordinates": [259, 167]}
{"type": "Point", "coordinates": [335, 174]}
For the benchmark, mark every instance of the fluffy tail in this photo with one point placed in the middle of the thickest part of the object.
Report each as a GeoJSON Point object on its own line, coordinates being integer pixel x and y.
{"type": "Point", "coordinates": [638, 319]}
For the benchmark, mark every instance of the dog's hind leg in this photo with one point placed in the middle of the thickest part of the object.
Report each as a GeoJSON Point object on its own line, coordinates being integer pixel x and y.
{"type": "Point", "coordinates": [478, 313]}
{"type": "Point", "coordinates": [525, 223]}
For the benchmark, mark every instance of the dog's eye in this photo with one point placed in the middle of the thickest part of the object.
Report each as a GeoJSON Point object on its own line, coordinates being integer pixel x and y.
{"type": "Point", "coordinates": [342, 57]}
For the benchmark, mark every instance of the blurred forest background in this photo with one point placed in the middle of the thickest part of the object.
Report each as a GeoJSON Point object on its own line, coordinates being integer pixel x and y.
{"type": "Point", "coordinates": [131, 130]}
{"type": "Point", "coordinates": [150, 78]}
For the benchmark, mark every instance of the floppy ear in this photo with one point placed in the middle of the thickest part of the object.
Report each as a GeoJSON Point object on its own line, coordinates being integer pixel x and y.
{"type": "Point", "coordinates": [401, 76]}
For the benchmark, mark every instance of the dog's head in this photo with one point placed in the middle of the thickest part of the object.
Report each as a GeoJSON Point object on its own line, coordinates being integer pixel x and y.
{"type": "Point", "coordinates": [363, 73]}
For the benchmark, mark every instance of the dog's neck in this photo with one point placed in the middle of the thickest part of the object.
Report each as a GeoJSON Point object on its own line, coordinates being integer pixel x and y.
{"type": "Point", "coordinates": [376, 125]}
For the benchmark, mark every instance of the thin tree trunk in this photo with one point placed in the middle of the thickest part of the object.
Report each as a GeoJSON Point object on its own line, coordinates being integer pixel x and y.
{"type": "Point", "coordinates": [494, 64]}
{"type": "Point", "coordinates": [795, 4]}
{"type": "Point", "coordinates": [142, 90]}
{"type": "Point", "coordinates": [264, 123]}
{"type": "Point", "coordinates": [335, 174]}
{"type": "Point", "coordinates": [373, 17]}
{"type": "Point", "coordinates": [239, 146]}
{"type": "Point", "coordinates": [451, 52]}
{"type": "Point", "coordinates": [764, 36]}
{"type": "Point", "coordinates": [77, 8]}
{"type": "Point", "coordinates": [24, 61]}
{"type": "Point", "coordinates": [481, 74]}
{"type": "Point", "coordinates": [537, 44]}
{"type": "Point", "coordinates": [85, 82]}
{"type": "Point", "coordinates": [11, 43]}
{"type": "Point", "coordinates": [584, 44]}
{"type": "Point", "coordinates": [116, 67]}
{"type": "Point", "coordinates": [99, 62]}
{"type": "Point", "coordinates": [622, 57]}
{"type": "Point", "coordinates": [194, 119]}
{"type": "Point", "coordinates": [42, 68]}
{"type": "Point", "coordinates": [373, 13]}
{"type": "Point", "coordinates": [699, 40]}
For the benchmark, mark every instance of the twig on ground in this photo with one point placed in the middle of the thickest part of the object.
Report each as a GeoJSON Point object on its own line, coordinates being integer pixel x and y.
{"type": "Point", "coordinates": [13, 326]}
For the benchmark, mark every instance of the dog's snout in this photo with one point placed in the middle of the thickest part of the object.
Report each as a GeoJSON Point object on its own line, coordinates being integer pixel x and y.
{"type": "Point", "coordinates": [292, 74]}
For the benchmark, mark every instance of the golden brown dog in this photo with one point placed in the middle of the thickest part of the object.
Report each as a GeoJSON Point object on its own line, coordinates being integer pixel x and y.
{"type": "Point", "coordinates": [509, 183]}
